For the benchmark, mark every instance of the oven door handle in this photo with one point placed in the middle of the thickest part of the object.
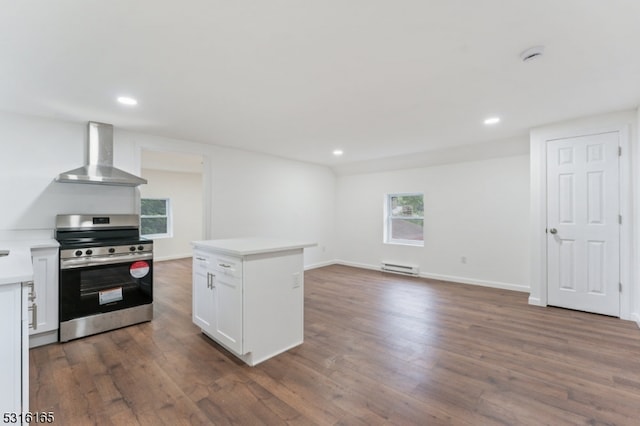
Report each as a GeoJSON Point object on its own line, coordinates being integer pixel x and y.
{"type": "Point", "coordinates": [108, 260]}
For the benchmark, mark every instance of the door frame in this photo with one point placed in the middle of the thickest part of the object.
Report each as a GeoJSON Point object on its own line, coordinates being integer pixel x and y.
{"type": "Point", "coordinates": [538, 145]}
{"type": "Point", "coordinates": [187, 149]}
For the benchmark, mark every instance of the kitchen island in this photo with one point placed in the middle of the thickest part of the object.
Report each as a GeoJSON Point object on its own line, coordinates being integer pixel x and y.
{"type": "Point", "coordinates": [248, 295]}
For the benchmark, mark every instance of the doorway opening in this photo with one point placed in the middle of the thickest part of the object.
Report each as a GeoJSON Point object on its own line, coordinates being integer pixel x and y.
{"type": "Point", "coordinates": [172, 202]}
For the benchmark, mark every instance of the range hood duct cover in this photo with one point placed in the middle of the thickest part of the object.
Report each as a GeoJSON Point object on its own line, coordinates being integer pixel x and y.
{"type": "Point", "coordinates": [99, 169]}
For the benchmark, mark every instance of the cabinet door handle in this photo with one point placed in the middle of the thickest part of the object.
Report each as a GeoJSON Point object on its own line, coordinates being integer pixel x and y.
{"type": "Point", "coordinates": [224, 265]}
{"type": "Point", "coordinates": [34, 316]}
{"type": "Point", "coordinates": [201, 258]}
{"type": "Point", "coordinates": [210, 280]}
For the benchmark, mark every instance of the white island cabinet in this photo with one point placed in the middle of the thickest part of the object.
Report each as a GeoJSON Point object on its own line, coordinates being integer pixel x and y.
{"type": "Point", "coordinates": [16, 272]}
{"type": "Point", "coordinates": [248, 295]}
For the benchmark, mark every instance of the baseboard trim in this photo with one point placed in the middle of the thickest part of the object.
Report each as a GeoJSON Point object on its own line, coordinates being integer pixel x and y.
{"type": "Point", "coordinates": [319, 265]}
{"type": "Point", "coordinates": [439, 277]}
{"type": "Point", "coordinates": [535, 301]}
{"type": "Point", "coordinates": [356, 265]}
{"type": "Point", "coordinates": [472, 281]}
{"type": "Point", "coordinates": [172, 257]}
{"type": "Point", "coordinates": [636, 317]}
{"type": "Point", "coordinates": [447, 278]}
{"type": "Point", "coordinates": [42, 339]}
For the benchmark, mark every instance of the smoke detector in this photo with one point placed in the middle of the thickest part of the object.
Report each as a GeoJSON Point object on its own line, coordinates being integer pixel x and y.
{"type": "Point", "coordinates": [532, 53]}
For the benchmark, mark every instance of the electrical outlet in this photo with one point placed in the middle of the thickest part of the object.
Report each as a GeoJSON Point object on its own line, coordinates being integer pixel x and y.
{"type": "Point", "coordinates": [296, 280]}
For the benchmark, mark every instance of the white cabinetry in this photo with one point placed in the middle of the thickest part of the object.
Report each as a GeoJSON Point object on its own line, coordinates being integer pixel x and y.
{"type": "Point", "coordinates": [44, 300]}
{"type": "Point", "coordinates": [248, 295]}
{"type": "Point", "coordinates": [14, 351]}
{"type": "Point", "coordinates": [217, 303]}
{"type": "Point", "coordinates": [226, 284]}
{"type": "Point", "coordinates": [202, 297]}
{"type": "Point", "coordinates": [15, 269]}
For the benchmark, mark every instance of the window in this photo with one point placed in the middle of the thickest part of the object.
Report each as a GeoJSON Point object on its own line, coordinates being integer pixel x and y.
{"type": "Point", "coordinates": [155, 218]}
{"type": "Point", "coordinates": [404, 219]}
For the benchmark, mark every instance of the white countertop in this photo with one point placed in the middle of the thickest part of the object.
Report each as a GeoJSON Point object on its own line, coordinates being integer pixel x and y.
{"type": "Point", "coordinates": [249, 246]}
{"type": "Point", "coordinates": [30, 244]}
{"type": "Point", "coordinates": [17, 266]}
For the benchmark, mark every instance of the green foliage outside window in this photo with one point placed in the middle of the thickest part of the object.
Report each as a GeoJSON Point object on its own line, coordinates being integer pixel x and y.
{"type": "Point", "coordinates": [405, 221]}
{"type": "Point", "coordinates": [154, 218]}
{"type": "Point", "coordinates": [407, 205]}
{"type": "Point", "coordinates": [152, 207]}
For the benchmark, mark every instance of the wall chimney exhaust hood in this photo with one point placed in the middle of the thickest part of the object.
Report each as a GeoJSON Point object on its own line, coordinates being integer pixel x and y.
{"type": "Point", "coordinates": [99, 169]}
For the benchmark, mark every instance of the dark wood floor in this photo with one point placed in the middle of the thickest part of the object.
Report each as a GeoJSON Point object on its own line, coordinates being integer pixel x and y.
{"type": "Point", "coordinates": [379, 349]}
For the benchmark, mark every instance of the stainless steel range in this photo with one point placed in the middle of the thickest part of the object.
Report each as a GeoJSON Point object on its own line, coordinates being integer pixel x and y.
{"type": "Point", "coordinates": [106, 274]}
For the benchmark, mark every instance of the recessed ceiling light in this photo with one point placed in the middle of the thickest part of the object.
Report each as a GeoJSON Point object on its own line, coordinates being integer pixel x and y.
{"type": "Point", "coordinates": [492, 120]}
{"type": "Point", "coordinates": [338, 152]}
{"type": "Point", "coordinates": [125, 100]}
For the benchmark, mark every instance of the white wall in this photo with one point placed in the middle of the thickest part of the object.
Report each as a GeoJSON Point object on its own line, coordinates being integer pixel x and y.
{"type": "Point", "coordinates": [33, 151]}
{"type": "Point", "coordinates": [474, 209]}
{"type": "Point", "coordinates": [252, 194]}
{"type": "Point", "coordinates": [249, 194]}
{"type": "Point", "coordinates": [479, 210]}
{"type": "Point", "coordinates": [185, 192]}
{"type": "Point", "coordinates": [276, 198]}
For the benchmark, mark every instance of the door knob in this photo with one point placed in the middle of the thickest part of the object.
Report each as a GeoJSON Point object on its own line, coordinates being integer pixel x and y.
{"type": "Point", "coordinates": [553, 231]}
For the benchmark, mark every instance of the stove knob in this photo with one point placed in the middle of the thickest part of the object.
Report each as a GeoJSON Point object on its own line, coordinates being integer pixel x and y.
{"type": "Point", "coordinates": [140, 248]}
{"type": "Point", "coordinates": [78, 252]}
{"type": "Point", "coordinates": [112, 250]}
{"type": "Point", "coordinates": [132, 248]}
{"type": "Point", "coordinates": [89, 252]}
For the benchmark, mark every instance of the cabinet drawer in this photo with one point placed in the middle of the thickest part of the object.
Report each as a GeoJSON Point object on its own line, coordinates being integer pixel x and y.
{"type": "Point", "coordinates": [227, 265]}
{"type": "Point", "coordinates": [201, 261]}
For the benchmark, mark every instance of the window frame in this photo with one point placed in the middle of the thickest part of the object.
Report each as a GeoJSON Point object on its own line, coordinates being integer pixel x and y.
{"type": "Point", "coordinates": [168, 216]}
{"type": "Point", "coordinates": [389, 218]}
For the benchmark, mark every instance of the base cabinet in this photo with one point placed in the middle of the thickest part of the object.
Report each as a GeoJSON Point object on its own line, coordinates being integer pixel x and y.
{"type": "Point", "coordinates": [14, 352]}
{"type": "Point", "coordinates": [43, 297]}
{"type": "Point", "coordinates": [202, 297]}
{"type": "Point", "coordinates": [217, 302]}
{"type": "Point", "coordinates": [252, 304]}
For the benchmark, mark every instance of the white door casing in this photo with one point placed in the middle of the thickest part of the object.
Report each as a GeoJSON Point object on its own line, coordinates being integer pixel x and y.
{"type": "Point", "coordinates": [583, 231]}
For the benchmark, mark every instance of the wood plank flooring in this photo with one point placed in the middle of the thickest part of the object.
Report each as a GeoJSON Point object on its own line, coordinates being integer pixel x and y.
{"type": "Point", "coordinates": [379, 349]}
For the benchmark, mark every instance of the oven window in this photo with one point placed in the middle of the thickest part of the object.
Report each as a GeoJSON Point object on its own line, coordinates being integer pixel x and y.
{"type": "Point", "coordinates": [93, 282]}
{"type": "Point", "coordinates": [98, 289]}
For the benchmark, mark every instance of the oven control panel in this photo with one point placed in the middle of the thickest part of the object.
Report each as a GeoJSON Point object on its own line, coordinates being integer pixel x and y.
{"type": "Point", "coordinates": [106, 251]}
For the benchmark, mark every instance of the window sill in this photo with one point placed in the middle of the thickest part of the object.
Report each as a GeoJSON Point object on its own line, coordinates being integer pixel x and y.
{"type": "Point", "coordinates": [406, 243]}
{"type": "Point", "coordinates": [156, 236]}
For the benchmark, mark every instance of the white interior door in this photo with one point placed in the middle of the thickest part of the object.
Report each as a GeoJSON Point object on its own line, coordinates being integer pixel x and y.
{"type": "Point", "coordinates": [583, 231]}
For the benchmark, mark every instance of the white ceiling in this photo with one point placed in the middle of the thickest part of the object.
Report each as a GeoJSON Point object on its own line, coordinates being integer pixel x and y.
{"type": "Point", "coordinates": [297, 79]}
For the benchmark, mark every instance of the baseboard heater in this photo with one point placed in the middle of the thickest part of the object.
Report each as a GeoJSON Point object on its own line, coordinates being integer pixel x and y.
{"type": "Point", "coordinates": [397, 268]}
